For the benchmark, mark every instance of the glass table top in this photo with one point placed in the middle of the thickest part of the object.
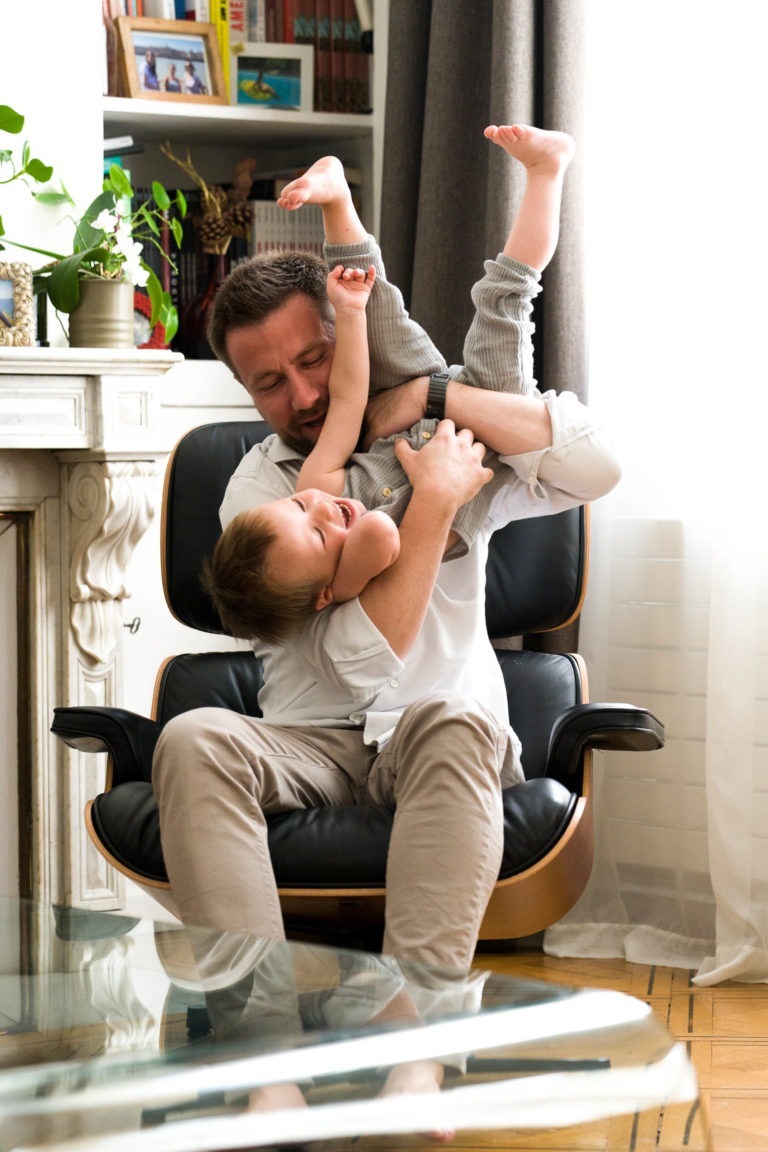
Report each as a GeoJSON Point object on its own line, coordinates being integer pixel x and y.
{"type": "Point", "coordinates": [200, 1040]}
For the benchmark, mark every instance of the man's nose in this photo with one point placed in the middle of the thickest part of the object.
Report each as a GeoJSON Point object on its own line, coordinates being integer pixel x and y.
{"type": "Point", "coordinates": [305, 393]}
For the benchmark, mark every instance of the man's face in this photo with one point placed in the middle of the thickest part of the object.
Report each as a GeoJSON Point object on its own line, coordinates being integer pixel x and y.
{"type": "Point", "coordinates": [284, 364]}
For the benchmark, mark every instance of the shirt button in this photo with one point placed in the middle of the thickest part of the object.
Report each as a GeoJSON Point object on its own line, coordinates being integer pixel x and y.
{"type": "Point", "coordinates": [426, 435]}
{"type": "Point", "coordinates": [386, 491]}
{"type": "Point", "coordinates": [394, 683]}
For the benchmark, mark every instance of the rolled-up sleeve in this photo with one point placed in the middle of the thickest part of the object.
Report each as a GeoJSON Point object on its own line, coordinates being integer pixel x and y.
{"type": "Point", "coordinates": [581, 462]}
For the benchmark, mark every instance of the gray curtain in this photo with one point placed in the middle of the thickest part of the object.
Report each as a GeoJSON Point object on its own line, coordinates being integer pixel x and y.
{"type": "Point", "coordinates": [448, 195]}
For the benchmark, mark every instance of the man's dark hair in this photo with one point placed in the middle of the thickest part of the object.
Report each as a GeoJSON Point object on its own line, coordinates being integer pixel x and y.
{"type": "Point", "coordinates": [258, 286]}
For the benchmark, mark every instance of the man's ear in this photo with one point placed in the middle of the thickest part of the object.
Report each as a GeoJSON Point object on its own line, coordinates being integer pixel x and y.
{"type": "Point", "coordinates": [324, 598]}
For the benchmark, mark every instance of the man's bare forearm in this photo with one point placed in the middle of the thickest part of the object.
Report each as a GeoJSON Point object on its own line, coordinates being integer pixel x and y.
{"type": "Point", "coordinates": [507, 423]}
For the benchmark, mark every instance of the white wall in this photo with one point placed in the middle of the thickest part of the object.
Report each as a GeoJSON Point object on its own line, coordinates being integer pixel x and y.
{"type": "Point", "coordinates": [45, 75]}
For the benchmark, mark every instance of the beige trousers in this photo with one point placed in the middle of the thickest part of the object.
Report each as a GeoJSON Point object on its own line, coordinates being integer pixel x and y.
{"type": "Point", "coordinates": [216, 773]}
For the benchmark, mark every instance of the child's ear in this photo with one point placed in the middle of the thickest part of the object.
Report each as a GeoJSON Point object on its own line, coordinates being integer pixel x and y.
{"type": "Point", "coordinates": [324, 598]}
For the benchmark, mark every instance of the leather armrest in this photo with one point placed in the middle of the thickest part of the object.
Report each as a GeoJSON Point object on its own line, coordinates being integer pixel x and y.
{"type": "Point", "coordinates": [128, 737]}
{"type": "Point", "coordinates": [623, 727]}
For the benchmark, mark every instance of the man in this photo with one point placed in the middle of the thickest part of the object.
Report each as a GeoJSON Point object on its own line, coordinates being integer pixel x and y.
{"type": "Point", "coordinates": [395, 697]}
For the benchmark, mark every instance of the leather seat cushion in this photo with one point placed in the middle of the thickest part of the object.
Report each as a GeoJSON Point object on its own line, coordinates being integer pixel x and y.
{"type": "Point", "coordinates": [330, 847]}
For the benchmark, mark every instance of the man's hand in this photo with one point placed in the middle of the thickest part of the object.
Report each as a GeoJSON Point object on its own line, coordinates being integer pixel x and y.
{"type": "Point", "coordinates": [449, 469]}
{"type": "Point", "coordinates": [395, 410]}
{"type": "Point", "coordinates": [446, 473]}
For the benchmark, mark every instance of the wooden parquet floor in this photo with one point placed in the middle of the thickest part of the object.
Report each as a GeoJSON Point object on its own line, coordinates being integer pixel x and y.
{"type": "Point", "coordinates": [725, 1029]}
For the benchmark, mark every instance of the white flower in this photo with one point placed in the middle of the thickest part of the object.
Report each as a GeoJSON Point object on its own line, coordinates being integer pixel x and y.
{"type": "Point", "coordinates": [106, 221]}
{"type": "Point", "coordinates": [129, 252]}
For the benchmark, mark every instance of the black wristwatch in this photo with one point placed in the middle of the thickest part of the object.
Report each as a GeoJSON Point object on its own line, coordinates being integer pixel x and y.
{"type": "Point", "coordinates": [438, 383]}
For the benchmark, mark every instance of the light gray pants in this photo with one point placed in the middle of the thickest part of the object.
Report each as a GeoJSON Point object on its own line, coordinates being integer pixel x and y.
{"type": "Point", "coordinates": [216, 774]}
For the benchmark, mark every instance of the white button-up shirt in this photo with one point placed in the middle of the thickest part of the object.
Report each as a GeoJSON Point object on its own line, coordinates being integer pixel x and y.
{"type": "Point", "coordinates": [340, 671]}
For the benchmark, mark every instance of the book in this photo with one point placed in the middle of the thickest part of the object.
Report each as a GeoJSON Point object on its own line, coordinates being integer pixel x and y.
{"type": "Point", "coordinates": [198, 10]}
{"type": "Point", "coordinates": [220, 21]}
{"type": "Point", "coordinates": [357, 88]}
{"type": "Point", "coordinates": [257, 21]}
{"type": "Point", "coordinates": [238, 23]}
{"type": "Point", "coordinates": [275, 230]}
{"type": "Point", "coordinates": [322, 55]}
{"type": "Point", "coordinates": [160, 9]}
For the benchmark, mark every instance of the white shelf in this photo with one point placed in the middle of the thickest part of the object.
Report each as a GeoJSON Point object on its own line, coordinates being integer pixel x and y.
{"type": "Point", "coordinates": [156, 121]}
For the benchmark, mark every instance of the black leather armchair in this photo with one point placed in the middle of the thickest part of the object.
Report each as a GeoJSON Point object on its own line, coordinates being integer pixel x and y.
{"type": "Point", "coordinates": [330, 862]}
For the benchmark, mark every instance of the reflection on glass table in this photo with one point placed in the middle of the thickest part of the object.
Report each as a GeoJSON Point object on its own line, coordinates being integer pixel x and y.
{"type": "Point", "coordinates": [203, 1040]}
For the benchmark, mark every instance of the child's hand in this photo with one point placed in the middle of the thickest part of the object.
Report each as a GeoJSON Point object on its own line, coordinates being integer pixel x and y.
{"type": "Point", "coordinates": [349, 288]}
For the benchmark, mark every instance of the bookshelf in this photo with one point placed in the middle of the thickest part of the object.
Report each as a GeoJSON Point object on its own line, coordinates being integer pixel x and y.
{"type": "Point", "coordinates": [278, 139]}
{"type": "Point", "coordinates": [220, 134]}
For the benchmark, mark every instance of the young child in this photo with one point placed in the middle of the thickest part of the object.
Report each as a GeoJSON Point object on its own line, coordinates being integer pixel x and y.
{"type": "Point", "coordinates": [274, 566]}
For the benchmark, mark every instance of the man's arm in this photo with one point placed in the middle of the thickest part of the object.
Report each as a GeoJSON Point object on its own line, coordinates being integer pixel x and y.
{"type": "Point", "coordinates": [445, 474]}
{"type": "Point", "coordinates": [506, 422]}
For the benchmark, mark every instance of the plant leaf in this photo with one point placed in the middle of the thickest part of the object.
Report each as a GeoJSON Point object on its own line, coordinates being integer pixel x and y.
{"type": "Point", "coordinates": [161, 197]}
{"type": "Point", "coordinates": [62, 281]}
{"type": "Point", "coordinates": [39, 171]}
{"type": "Point", "coordinates": [119, 182]}
{"type": "Point", "coordinates": [154, 288]}
{"type": "Point", "coordinates": [10, 120]}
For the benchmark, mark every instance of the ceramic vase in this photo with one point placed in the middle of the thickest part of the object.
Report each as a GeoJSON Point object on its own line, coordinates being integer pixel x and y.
{"type": "Point", "coordinates": [104, 316]}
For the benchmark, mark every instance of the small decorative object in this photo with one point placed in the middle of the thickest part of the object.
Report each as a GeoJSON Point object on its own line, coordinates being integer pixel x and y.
{"type": "Point", "coordinates": [224, 213]}
{"type": "Point", "coordinates": [108, 247]}
{"type": "Point", "coordinates": [17, 306]}
{"type": "Point", "coordinates": [170, 60]}
{"type": "Point", "coordinates": [145, 334]}
{"type": "Point", "coordinates": [277, 76]}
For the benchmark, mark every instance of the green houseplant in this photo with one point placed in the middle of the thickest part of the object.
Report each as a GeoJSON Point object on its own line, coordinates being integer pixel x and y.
{"type": "Point", "coordinates": [109, 238]}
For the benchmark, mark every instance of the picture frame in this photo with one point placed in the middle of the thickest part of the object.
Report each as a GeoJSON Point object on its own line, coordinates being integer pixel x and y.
{"type": "Point", "coordinates": [17, 306]}
{"type": "Point", "coordinates": [275, 76]}
{"type": "Point", "coordinates": [170, 60]}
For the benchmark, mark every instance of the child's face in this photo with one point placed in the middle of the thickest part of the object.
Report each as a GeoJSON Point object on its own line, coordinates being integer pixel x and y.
{"type": "Point", "coordinates": [311, 529]}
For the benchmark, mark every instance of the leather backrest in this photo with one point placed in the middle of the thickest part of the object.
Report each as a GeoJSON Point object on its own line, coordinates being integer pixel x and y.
{"type": "Point", "coordinates": [536, 569]}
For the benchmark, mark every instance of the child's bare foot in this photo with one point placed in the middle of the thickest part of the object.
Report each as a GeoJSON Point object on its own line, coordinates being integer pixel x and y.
{"type": "Point", "coordinates": [323, 183]}
{"type": "Point", "coordinates": [416, 1077]}
{"type": "Point", "coordinates": [274, 1097]}
{"type": "Point", "coordinates": [534, 147]}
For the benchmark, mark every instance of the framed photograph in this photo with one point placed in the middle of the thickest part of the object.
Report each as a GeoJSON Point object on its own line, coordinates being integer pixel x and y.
{"type": "Point", "coordinates": [170, 60]}
{"type": "Point", "coordinates": [273, 76]}
{"type": "Point", "coordinates": [17, 306]}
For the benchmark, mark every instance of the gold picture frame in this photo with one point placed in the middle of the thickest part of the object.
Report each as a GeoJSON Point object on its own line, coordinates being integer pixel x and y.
{"type": "Point", "coordinates": [17, 306]}
{"type": "Point", "coordinates": [169, 60]}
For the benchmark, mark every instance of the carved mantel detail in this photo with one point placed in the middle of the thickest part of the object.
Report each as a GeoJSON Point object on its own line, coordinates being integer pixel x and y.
{"type": "Point", "coordinates": [111, 506]}
{"type": "Point", "coordinates": [92, 416]}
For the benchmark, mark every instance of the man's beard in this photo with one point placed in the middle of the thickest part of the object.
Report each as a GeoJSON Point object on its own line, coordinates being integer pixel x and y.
{"type": "Point", "coordinates": [303, 444]}
{"type": "Point", "coordinates": [300, 445]}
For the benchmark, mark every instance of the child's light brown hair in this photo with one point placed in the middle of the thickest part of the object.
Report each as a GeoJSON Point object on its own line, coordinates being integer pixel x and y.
{"type": "Point", "coordinates": [250, 603]}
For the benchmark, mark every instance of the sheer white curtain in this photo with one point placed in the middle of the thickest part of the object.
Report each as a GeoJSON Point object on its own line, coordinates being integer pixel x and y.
{"type": "Point", "coordinates": [677, 611]}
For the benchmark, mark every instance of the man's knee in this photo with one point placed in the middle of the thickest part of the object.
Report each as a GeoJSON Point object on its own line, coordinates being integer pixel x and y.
{"type": "Point", "coordinates": [187, 740]}
{"type": "Point", "coordinates": [443, 712]}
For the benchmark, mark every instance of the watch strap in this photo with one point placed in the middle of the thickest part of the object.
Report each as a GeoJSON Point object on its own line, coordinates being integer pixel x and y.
{"type": "Point", "coordinates": [438, 385]}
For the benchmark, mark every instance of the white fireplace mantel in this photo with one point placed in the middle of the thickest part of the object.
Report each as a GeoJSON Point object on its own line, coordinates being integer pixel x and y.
{"type": "Point", "coordinates": [91, 415]}
{"type": "Point", "coordinates": [81, 398]}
